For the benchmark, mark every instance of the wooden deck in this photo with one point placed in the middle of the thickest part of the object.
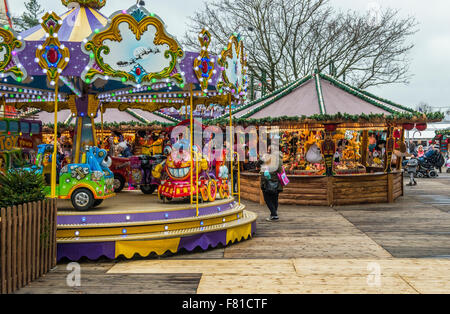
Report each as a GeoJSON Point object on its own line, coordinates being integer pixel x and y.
{"type": "Point", "coordinates": [311, 250]}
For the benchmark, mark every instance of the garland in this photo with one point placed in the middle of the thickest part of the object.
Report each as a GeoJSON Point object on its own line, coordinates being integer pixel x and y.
{"type": "Point", "coordinates": [111, 125]}
{"type": "Point", "coordinates": [445, 132]}
{"type": "Point", "coordinates": [165, 116]}
{"type": "Point", "coordinates": [134, 115]}
{"type": "Point", "coordinates": [397, 117]}
{"type": "Point", "coordinates": [156, 113]}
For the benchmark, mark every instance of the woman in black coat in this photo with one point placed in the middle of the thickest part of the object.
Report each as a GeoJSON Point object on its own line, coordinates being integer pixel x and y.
{"type": "Point", "coordinates": [270, 183]}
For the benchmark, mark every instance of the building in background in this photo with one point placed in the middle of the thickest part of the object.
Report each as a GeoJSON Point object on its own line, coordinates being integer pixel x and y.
{"type": "Point", "coordinates": [424, 137]}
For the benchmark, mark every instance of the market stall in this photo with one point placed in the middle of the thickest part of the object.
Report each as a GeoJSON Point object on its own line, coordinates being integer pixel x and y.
{"type": "Point", "coordinates": [340, 145]}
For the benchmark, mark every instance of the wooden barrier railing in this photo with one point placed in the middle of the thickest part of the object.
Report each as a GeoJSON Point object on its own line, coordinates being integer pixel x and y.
{"type": "Point", "coordinates": [330, 191]}
{"type": "Point", "coordinates": [27, 243]}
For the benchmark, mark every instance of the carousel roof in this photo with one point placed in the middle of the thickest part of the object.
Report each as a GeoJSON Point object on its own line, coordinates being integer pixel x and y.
{"type": "Point", "coordinates": [199, 76]}
{"type": "Point", "coordinates": [77, 24]}
{"type": "Point", "coordinates": [314, 95]}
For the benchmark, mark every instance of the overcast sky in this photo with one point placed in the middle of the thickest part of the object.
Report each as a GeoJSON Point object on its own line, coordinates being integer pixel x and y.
{"type": "Point", "coordinates": [430, 58]}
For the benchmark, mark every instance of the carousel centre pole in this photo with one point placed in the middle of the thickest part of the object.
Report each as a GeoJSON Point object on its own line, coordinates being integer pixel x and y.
{"type": "Point", "coordinates": [55, 145]}
{"type": "Point", "coordinates": [231, 148]}
{"type": "Point", "coordinates": [191, 132]}
{"type": "Point", "coordinates": [53, 58]}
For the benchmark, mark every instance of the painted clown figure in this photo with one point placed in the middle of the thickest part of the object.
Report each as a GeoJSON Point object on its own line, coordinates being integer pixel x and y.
{"type": "Point", "coordinates": [208, 183]}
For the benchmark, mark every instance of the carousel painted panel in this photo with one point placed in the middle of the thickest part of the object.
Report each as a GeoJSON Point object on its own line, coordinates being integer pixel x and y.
{"type": "Point", "coordinates": [134, 48]}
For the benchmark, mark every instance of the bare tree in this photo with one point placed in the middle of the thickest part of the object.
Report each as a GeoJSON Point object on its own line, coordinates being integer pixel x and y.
{"type": "Point", "coordinates": [287, 39]}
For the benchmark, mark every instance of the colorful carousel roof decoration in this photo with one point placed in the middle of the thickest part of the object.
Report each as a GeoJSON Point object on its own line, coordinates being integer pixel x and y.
{"type": "Point", "coordinates": [23, 97]}
{"type": "Point", "coordinates": [204, 65]}
{"type": "Point", "coordinates": [233, 62]}
{"type": "Point", "coordinates": [77, 24]}
{"type": "Point", "coordinates": [134, 48]}
{"type": "Point", "coordinates": [127, 61]}
{"type": "Point", "coordinates": [10, 46]}
{"type": "Point", "coordinates": [53, 57]}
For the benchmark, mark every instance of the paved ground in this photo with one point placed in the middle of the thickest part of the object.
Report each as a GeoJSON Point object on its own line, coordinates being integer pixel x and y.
{"type": "Point", "coordinates": [380, 248]}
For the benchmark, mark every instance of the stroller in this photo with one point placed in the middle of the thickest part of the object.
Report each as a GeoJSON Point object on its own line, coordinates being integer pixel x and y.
{"type": "Point", "coordinates": [428, 164]}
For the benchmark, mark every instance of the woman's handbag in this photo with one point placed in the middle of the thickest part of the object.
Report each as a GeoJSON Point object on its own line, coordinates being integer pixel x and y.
{"type": "Point", "coordinates": [284, 180]}
{"type": "Point", "coordinates": [271, 187]}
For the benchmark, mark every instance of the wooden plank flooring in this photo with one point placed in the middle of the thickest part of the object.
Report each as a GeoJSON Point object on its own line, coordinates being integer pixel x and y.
{"type": "Point", "coordinates": [417, 225]}
{"type": "Point", "coordinates": [304, 275]}
{"type": "Point", "coordinates": [310, 250]}
{"type": "Point", "coordinates": [94, 279]}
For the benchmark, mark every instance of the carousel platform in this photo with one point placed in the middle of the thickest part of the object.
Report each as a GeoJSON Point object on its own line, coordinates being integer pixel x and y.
{"type": "Point", "coordinates": [133, 223]}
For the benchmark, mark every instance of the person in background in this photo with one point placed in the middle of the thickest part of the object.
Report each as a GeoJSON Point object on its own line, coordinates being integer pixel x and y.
{"type": "Point", "coordinates": [372, 142]}
{"type": "Point", "coordinates": [381, 147]}
{"type": "Point", "coordinates": [438, 149]}
{"type": "Point", "coordinates": [119, 136]}
{"type": "Point", "coordinates": [411, 167]}
{"type": "Point", "coordinates": [412, 147]}
{"type": "Point", "coordinates": [270, 184]}
{"type": "Point", "coordinates": [420, 151]}
{"type": "Point", "coordinates": [156, 148]}
{"type": "Point", "coordinates": [124, 149]}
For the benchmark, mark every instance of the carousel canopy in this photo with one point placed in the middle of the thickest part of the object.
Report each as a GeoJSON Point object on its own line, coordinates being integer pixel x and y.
{"type": "Point", "coordinates": [119, 62]}
{"type": "Point", "coordinates": [77, 24]}
{"type": "Point", "coordinates": [315, 95]}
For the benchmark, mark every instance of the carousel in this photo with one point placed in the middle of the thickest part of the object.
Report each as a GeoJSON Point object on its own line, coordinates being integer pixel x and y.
{"type": "Point", "coordinates": [340, 145]}
{"type": "Point", "coordinates": [84, 67]}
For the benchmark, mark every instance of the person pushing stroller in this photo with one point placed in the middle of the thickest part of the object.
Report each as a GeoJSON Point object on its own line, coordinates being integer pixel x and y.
{"type": "Point", "coordinates": [411, 167]}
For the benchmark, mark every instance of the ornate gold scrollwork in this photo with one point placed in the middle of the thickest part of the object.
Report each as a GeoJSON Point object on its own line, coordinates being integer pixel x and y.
{"type": "Point", "coordinates": [96, 48]}
{"type": "Point", "coordinates": [203, 64]}
{"type": "Point", "coordinates": [47, 106]}
{"type": "Point", "coordinates": [52, 55]}
{"type": "Point", "coordinates": [234, 46]}
{"type": "Point", "coordinates": [10, 45]}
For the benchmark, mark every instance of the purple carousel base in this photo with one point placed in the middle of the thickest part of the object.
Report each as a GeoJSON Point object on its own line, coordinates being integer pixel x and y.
{"type": "Point", "coordinates": [96, 250]}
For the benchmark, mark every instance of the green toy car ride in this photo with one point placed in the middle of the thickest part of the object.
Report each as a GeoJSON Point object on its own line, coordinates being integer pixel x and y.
{"type": "Point", "coordinates": [86, 184]}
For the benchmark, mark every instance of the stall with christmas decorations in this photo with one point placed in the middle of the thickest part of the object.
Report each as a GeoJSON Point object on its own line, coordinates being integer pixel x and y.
{"type": "Point", "coordinates": [340, 145]}
{"type": "Point", "coordinates": [84, 65]}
